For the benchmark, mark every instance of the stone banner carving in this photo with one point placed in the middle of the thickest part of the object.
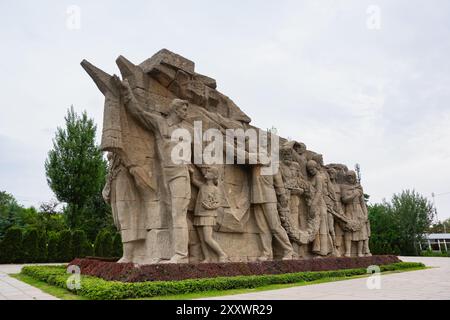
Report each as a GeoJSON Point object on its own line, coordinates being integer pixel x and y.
{"type": "Point", "coordinates": [188, 180]}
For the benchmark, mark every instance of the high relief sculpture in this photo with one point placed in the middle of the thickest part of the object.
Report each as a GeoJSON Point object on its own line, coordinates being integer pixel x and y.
{"type": "Point", "coordinates": [191, 180]}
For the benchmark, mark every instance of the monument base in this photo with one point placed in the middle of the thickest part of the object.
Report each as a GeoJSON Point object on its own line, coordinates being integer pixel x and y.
{"type": "Point", "coordinates": [128, 272]}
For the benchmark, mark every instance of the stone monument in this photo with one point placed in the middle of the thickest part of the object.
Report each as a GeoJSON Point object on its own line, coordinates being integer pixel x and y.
{"type": "Point", "coordinates": [191, 180]}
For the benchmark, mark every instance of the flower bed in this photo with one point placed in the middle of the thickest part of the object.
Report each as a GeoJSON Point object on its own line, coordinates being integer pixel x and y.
{"type": "Point", "coordinates": [127, 272]}
{"type": "Point", "coordinates": [100, 289]}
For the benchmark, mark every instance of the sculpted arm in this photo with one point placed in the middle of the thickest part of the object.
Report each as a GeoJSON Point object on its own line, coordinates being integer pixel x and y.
{"type": "Point", "coordinates": [148, 119]}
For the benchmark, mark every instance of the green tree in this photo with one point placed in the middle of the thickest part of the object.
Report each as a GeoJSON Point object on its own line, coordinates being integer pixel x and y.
{"type": "Point", "coordinates": [414, 214]}
{"type": "Point", "coordinates": [80, 245]}
{"type": "Point", "coordinates": [50, 218]}
{"type": "Point", "coordinates": [384, 231]}
{"type": "Point", "coordinates": [52, 248]}
{"type": "Point", "coordinates": [65, 246]}
{"type": "Point", "coordinates": [9, 211]}
{"type": "Point", "coordinates": [75, 168]}
{"type": "Point", "coordinates": [398, 226]}
{"type": "Point", "coordinates": [103, 246]}
{"type": "Point", "coordinates": [11, 246]}
{"type": "Point", "coordinates": [42, 247]}
{"type": "Point", "coordinates": [30, 245]}
{"type": "Point", "coordinates": [440, 227]}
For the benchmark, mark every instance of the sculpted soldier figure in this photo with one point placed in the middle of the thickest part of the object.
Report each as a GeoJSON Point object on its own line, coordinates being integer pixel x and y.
{"type": "Point", "coordinates": [319, 222]}
{"type": "Point", "coordinates": [176, 175]}
{"type": "Point", "coordinates": [265, 191]}
{"type": "Point", "coordinates": [335, 202]}
{"type": "Point", "coordinates": [121, 192]}
{"type": "Point", "coordinates": [295, 188]}
{"type": "Point", "coordinates": [356, 210]}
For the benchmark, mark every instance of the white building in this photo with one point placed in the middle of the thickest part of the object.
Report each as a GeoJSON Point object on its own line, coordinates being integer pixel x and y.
{"type": "Point", "coordinates": [436, 242]}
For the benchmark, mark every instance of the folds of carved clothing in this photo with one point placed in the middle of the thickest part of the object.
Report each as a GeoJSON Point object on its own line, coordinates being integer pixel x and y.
{"type": "Point", "coordinates": [268, 221]}
{"type": "Point", "coordinates": [355, 212]}
{"type": "Point", "coordinates": [126, 207]}
{"type": "Point", "coordinates": [323, 243]}
{"type": "Point", "coordinates": [179, 188]}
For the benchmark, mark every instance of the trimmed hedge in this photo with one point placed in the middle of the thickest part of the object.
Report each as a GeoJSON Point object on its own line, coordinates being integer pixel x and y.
{"type": "Point", "coordinates": [99, 289]}
{"type": "Point", "coordinates": [65, 246]}
{"type": "Point", "coordinates": [11, 250]}
{"type": "Point", "coordinates": [103, 245]}
{"type": "Point", "coordinates": [80, 245]}
{"type": "Point", "coordinates": [42, 248]}
{"type": "Point", "coordinates": [30, 245]}
{"type": "Point", "coordinates": [52, 248]}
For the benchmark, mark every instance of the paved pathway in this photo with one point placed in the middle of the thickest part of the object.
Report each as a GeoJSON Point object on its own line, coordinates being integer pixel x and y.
{"type": "Point", "coordinates": [422, 284]}
{"type": "Point", "coordinates": [13, 289]}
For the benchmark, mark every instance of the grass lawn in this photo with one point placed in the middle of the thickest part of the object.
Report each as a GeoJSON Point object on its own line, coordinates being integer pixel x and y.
{"type": "Point", "coordinates": [47, 288]}
{"type": "Point", "coordinates": [65, 294]}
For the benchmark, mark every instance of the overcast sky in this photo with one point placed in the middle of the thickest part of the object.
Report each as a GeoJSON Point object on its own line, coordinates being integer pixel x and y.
{"type": "Point", "coordinates": [363, 82]}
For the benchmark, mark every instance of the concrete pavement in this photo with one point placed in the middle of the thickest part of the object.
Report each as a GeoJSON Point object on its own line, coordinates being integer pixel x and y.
{"type": "Point", "coordinates": [13, 289]}
{"type": "Point", "coordinates": [425, 284]}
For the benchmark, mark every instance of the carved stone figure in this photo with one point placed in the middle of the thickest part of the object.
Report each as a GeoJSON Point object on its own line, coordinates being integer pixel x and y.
{"type": "Point", "coordinates": [175, 175]}
{"type": "Point", "coordinates": [205, 215]}
{"type": "Point", "coordinates": [265, 191]}
{"type": "Point", "coordinates": [162, 117]}
{"type": "Point", "coordinates": [356, 210]}
{"type": "Point", "coordinates": [320, 228]}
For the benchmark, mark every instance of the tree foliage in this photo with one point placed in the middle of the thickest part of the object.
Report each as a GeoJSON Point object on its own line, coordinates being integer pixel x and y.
{"type": "Point", "coordinates": [52, 248]}
{"type": "Point", "coordinates": [399, 225]}
{"type": "Point", "coordinates": [75, 168]}
{"type": "Point", "coordinates": [103, 245]}
{"type": "Point", "coordinates": [30, 245]}
{"type": "Point", "coordinates": [441, 227]}
{"type": "Point", "coordinates": [11, 246]}
{"type": "Point", "coordinates": [80, 245]}
{"type": "Point", "coordinates": [65, 246]}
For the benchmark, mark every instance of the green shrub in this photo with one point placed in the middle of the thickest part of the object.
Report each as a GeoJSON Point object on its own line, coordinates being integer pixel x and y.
{"type": "Point", "coordinates": [42, 247]}
{"type": "Point", "coordinates": [11, 249]}
{"type": "Point", "coordinates": [52, 248]}
{"type": "Point", "coordinates": [80, 245]}
{"type": "Point", "coordinates": [30, 245]}
{"type": "Point", "coordinates": [117, 246]}
{"type": "Point", "coordinates": [65, 246]}
{"type": "Point", "coordinates": [96, 288]}
{"type": "Point", "coordinates": [103, 246]}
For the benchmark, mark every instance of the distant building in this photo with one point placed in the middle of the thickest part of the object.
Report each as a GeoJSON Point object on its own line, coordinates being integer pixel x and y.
{"type": "Point", "coordinates": [436, 242]}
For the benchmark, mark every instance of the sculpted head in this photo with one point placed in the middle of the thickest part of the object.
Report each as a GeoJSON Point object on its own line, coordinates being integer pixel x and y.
{"type": "Point", "coordinates": [300, 147]}
{"type": "Point", "coordinates": [332, 173]}
{"type": "Point", "coordinates": [211, 173]}
{"type": "Point", "coordinates": [286, 154]}
{"type": "Point", "coordinates": [180, 108]}
{"type": "Point", "coordinates": [312, 167]}
{"type": "Point", "coordinates": [350, 177]}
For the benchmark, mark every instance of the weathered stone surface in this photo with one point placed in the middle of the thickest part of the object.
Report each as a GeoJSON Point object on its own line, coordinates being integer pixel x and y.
{"type": "Point", "coordinates": [190, 209]}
